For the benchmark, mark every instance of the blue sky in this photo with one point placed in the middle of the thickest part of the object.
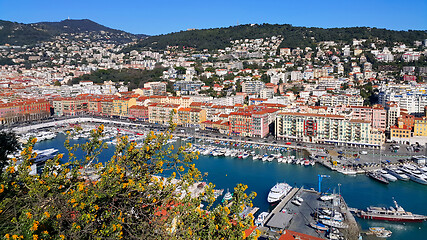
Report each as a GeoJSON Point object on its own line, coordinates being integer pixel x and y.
{"type": "Point", "coordinates": [159, 17]}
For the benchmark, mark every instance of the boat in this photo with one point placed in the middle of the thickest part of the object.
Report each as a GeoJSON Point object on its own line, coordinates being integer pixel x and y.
{"type": "Point", "coordinates": [399, 174]}
{"type": "Point", "coordinates": [334, 224]}
{"type": "Point", "coordinates": [380, 232]}
{"type": "Point", "coordinates": [296, 202]}
{"type": "Point", "coordinates": [387, 176]}
{"type": "Point", "coordinates": [319, 226]}
{"type": "Point", "coordinates": [377, 177]}
{"type": "Point", "coordinates": [327, 197]}
{"type": "Point", "coordinates": [228, 196]}
{"type": "Point", "coordinates": [396, 214]}
{"type": "Point", "coordinates": [415, 174]}
{"type": "Point", "coordinates": [260, 219]}
{"type": "Point", "coordinates": [299, 199]}
{"type": "Point", "coordinates": [278, 191]}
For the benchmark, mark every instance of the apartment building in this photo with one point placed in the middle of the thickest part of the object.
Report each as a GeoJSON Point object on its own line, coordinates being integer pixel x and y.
{"type": "Point", "coordinates": [24, 110]}
{"type": "Point", "coordinates": [344, 99]}
{"type": "Point", "coordinates": [191, 117]}
{"type": "Point", "coordinates": [323, 128]}
{"type": "Point", "coordinates": [161, 113]}
{"type": "Point", "coordinates": [252, 87]}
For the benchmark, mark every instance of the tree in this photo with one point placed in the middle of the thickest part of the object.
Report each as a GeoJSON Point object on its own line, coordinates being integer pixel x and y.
{"type": "Point", "coordinates": [124, 198]}
{"type": "Point", "coordinates": [9, 144]}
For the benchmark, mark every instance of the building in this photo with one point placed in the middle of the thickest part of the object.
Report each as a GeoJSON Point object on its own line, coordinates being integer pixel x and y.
{"type": "Point", "coordinates": [252, 87]}
{"type": "Point", "coordinates": [191, 117]}
{"type": "Point", "coordinates": [343, 99]}
{"type": "Point", "coordinates": [323, 128]}
{"type": "Point", "coordinates": [400, 133]}
{"type": "Point", "coordinates": [420, 127]}
{"type": "Point", "coordinates": [240, 124]}
{"type": "Point", "coordinates": [156, 88]}
{"type": "Point", "coordinates": [161, 113]}
{"type": "Point", "coordinates": [138, 112]}
{"type": "Point", "coordinates": [121, 106]}
{"type": "Point", "coordinates": [24, 110]}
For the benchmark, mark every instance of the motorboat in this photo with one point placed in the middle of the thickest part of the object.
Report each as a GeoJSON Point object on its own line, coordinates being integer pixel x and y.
{"type": "Point", "coordinates": [334, 224]}
{"type": "Point", "coordinates": [319, 226]}
{"type": "Point", "coordinates": [397, 214]}
{"type": "Point", "coordinates": [278, 191]}
{"type": "Point", "coordinates": [260, 219]}
{"type": "Point", "coordinates": [387, 176]}
{"type": "Point", "coordinates": [296, 202]}
{"type": "Point", "coordinates": [378, 177]}
{"type": "Point", "coordinates": [399, 174]}
{"type": "Point", "coordinates": [228, 196]}
{"type": "Point", "coordinates": [415, 174]}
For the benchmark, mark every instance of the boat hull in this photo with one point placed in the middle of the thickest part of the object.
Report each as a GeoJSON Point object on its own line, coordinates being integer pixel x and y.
{"type": "Point", "coordinates": [392, 219]}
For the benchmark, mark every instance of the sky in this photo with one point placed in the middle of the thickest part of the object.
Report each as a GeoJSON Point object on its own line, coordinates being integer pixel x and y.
{"type": "Point", "coordinates": [160, 17]}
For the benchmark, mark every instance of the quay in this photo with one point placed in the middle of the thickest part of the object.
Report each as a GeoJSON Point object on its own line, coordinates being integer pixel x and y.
{"type": "Point", "coordinates": [286, 216]}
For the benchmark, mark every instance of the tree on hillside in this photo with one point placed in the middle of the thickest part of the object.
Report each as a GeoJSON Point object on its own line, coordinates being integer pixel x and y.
{"type": "Point", "coordinates": [141, 193]}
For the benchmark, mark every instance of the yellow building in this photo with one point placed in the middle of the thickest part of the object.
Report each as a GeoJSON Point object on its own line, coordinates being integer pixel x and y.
{"type": "Point", "coordinates": [191, 116]}
{"type": "Point", "coordinates": [121, 106]}
{"type": "Point", "coordinates": [160, 113]}
{"type": "Point", "coordinates": [420, 127]}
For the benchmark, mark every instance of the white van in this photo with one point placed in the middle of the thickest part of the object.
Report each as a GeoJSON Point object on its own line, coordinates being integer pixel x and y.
{"type": "Point", "coordinates": [363, 152]}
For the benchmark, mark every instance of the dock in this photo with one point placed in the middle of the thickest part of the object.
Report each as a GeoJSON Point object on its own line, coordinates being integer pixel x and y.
{"type": "Point", "coordinates": [288, 216]}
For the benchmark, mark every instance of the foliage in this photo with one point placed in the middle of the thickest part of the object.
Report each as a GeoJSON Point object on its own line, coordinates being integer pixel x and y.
{"type": "Point", "coordinates": [135, 78]}
{"type": "Point", "coordinates": [6, 61]}
{"type": "Point", "coordinates": [20, 34]}
{"type": "Point", "coordinates": [219, 38]}
{"type": "Point", "coordinates": [123, 198]}
{"type": "Point", "coordinates": [9, 144]}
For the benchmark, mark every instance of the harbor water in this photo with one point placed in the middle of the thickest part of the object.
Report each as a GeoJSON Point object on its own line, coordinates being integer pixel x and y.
{"type": "Point", "coordinates": [358, 191]}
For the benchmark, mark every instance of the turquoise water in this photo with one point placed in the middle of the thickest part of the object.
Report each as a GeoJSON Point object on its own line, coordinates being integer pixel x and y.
{"type": "Point", "coordinates": [358, 191]}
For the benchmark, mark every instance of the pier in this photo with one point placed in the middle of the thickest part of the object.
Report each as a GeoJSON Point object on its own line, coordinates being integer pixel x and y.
{"type": "Point", "coordinates": [288, 216]}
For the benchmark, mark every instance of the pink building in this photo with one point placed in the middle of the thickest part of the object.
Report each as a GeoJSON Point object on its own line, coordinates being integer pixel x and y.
{"type": "Point", "coordinates": [379, 117]}
{"type": "Point", "coordinates": [260, 124]}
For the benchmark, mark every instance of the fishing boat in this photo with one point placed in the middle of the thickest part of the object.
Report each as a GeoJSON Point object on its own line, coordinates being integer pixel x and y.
{"type": "Point", "coordinates": [397, 214]}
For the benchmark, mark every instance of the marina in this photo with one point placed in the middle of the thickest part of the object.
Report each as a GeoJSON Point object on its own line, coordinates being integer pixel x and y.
{"type": "Point", "coordinates": [358, 190]}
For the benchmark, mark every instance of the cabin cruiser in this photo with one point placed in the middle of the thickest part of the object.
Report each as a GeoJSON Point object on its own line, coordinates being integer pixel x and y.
{"type": "Point", "coordinates": [278, 191]}
{"type": "Point", "coordinates": [398, 174]}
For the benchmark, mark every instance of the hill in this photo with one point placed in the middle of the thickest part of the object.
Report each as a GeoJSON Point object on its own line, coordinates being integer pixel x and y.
{"type": "Point", "coordinates": [219, 38]}
{"type": "Point", "coordinates": [19, 34]}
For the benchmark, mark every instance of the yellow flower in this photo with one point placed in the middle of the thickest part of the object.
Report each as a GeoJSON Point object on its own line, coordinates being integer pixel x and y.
{"type": "Point", "coordinates": [34, 140]}
{"type": "Point", "coordinates": [7, 236]}
{"type": "Point", "coordinates": [58, 216]}
{"type": "Point", "coordinates": [81, 187]}
{"type": "Point", "coordinates": [96, 207]}
{"type": "Point", "coordinates": [35, 237]}
{"type": "Point", "coordinates": [15, 236]}
{"type": "Point", "coordinates": [47, 214]}
{"type": "Point", "coordinates": [11, 169]}
{"type": "Point", "coordinates": [62, 236]}
{"type": "Point", "coordinates": [28, 215]}
{"type": "Point", "coordinates": [72, 200]}
{"type": "Point", "coordinates": [1, 188]}
{"type": "Point", "coordinates": [35, 225]}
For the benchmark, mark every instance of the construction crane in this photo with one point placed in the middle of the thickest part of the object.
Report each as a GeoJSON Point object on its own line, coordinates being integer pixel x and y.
{"type": "Point", "coordinates": [320, 181]}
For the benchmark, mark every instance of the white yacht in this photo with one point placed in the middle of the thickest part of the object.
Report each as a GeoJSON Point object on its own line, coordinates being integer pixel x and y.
{"type": "Point", "coordinates": [388, 176]}
{"type": "Point", "coordinates": [398, 173]}
{"type": "Point", "coordinates": [415, 174]}
{"type": "Point", "coordinates": [278, 191]}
